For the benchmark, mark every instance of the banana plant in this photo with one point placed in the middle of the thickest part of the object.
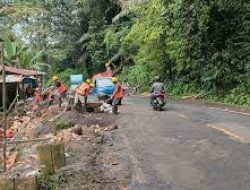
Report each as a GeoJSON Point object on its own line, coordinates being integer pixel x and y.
{"type": "Point", "coordinates": [15, 55]}
{"type": "Point", "coordinates": [19, 56]}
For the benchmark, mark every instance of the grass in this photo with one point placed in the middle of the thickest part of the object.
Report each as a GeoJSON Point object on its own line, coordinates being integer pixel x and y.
{"type": "Point", "coordinates": [48, 182]}
{"type": "Point", "coordinates": [61, 125]}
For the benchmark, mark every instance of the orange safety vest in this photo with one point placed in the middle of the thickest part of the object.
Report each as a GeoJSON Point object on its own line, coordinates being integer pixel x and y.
{"type": "Point", "coordinates": [83, 90]}
{"type": "Point", "coordinates": [61, 89]}
{"type": "Point", "coordinates": [119, 93]}
{"type": "Point", "coordinates": [37, 97]}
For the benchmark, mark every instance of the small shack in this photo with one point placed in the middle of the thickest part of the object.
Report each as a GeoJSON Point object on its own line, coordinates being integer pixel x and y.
{"type": "Point", "coordinates": [17, 80]}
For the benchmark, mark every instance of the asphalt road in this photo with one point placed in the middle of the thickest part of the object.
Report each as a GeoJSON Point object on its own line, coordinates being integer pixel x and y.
{"type": "Point", "coordinates": [186, 147]}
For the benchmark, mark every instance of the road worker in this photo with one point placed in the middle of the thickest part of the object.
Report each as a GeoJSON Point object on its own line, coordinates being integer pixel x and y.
{"type": "Point", "coordinates": [83, 91]}
{"type": "Point", "coordinates": [29, 91]}
{"type": "Point", "coordinates": [60, 90]}
{"type": "Point", "coordinates": [37, 96]}
{"type": "Point", "coordinates": [37, 100]}
{"type": "Point", "coordinates": [117, 94]}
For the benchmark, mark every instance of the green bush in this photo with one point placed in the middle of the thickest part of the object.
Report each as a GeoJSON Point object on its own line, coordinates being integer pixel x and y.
{"type": "Point", "coordinates": [197, 47]}
{"type": "Point", "coordinates": [60, 125]}
{"type": "Point", "coordinates": [64, 76]}
{"type": "Point", "coordinates": [48, 182]}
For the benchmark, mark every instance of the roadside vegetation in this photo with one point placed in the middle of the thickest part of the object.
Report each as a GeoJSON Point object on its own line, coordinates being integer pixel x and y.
{"type": "Point", "coordinates": [196, 47]}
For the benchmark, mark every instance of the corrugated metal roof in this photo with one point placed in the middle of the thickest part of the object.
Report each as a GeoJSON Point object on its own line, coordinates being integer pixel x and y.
{"type": "Point", "coordinates": [23, 72]}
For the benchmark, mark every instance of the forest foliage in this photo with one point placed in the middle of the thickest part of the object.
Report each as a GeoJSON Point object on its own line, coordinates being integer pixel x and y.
{"type": "Point", "coordinates": [196, 47]}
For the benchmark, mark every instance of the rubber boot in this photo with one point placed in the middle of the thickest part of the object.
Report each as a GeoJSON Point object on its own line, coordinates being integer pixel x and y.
{"type": "Point", "coordinates": [115, 109]}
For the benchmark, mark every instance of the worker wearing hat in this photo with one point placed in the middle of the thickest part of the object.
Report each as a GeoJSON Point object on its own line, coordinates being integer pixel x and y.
{"type": "Point", "coordinates": [83, 91]}
{"type": "Point", "coordinates": [61, 89]}
{"type": "Point", "coordinates": [117, 94]}
{"type": "Point", "coordinates": [37, 96]}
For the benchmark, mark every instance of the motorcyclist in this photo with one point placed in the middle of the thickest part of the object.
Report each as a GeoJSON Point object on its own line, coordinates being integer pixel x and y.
{"type": "Point", "coordinates": [156, 88]}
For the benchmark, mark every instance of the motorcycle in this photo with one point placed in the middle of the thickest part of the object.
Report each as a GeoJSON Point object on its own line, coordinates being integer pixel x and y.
{"type": "Point", "coordinates": [159, 102]}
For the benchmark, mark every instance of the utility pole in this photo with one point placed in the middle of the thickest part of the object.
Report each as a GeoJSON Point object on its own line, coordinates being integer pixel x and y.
{"type": "Point", "coordinates": [4, 106]}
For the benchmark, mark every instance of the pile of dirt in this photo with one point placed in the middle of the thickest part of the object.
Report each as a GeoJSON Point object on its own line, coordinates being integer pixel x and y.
{"type": "Point", "coordinates": [96, 164]}
{"type": "Point", "coordinates": [93, 154]}
{"type": "Point", "coordinates": [89, 119]}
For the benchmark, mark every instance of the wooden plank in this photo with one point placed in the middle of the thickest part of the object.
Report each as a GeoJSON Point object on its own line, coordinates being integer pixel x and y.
{"type": "Point", "coordinates": [45, 158]}
{"type": "Point", "coordinates": [58, 155]}
{"type": "Point", "coordinates": [29, 140]}
{"type": "Point", "coordinates": [4, 102]}
{"type": "Point", "coordinates": [27, 183]}
{"type": "Point", "coordinates": [7, 184]}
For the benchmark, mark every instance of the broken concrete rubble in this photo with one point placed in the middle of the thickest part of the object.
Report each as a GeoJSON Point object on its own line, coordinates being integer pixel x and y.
{"type": "Point", "coordinates": [26, 163]}
{"type": "Point", "coordinates": [111, 128]}
{"type": "Point", "coordinates": [107, 108]}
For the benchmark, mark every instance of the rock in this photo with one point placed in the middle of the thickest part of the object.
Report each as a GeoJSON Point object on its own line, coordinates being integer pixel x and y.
{"type": "Point", "coordinates": [115, 127]}
{"type": "Point", "coordinates": [67, 155]}
{"type": "Point", "coordinates": [68, 108]}
{"type": "Point", "coordinates": [100, 139]}
{"type": "Point", "coordinates": [33, 173]}
{"type": "Point", "coordinates": [98, 132]}
{"type": "Point", "coordinates": [77, 130]}
{"type": "Point", "coordinates": [95, 127]}
{"type": "Point", "coordinates": [111, 128]}
{"type": "Point", "coordinates": [106, 108]}
{"type": "Point", "coordinates": [43, 129]}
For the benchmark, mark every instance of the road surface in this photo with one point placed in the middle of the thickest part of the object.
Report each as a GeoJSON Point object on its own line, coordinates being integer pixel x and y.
{"type": "Point", "coordinates": [186, 147]}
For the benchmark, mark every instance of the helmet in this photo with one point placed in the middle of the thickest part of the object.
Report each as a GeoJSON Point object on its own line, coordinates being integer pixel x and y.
{"type": "Point", "coordinates": [88, 81]}
{"type": "Point", "coordinates": [157, 79]}
{"type": "Point", "coordinates": [37, 89]}
{"type": "Point", "coordinates": [55, 78]}
{"type": "Point", "coordinates": [92, 85]}
{"type": "Point", "coordinates": [114, 79]}
{"type": "Point", "coordinates": [107, 64]}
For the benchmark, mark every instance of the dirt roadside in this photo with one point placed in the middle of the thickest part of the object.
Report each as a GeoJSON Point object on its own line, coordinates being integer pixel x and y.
{"type": "Point", "coordinates": [95, 163]}
{"type": "Point", "coordinates": [96, 157]}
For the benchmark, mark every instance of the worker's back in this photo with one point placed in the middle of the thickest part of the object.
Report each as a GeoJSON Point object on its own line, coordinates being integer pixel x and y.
{"type": "Point", "coordinates": [83, 89]}
{"type": "Point", "coordinates": [158, 87]}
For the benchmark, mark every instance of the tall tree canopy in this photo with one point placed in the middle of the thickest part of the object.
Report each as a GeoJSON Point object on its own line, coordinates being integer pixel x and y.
{"type": "Point", "coordinates": [196, 46]}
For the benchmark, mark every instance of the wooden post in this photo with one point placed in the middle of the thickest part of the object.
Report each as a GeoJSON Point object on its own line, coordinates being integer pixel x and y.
{"type": "Point", "coordinates": [58, 156]}
{"type": "Point", "coordinates": [51, 157]}
{"type": "Point", "coordinates": [7, 184]}
{"type": "Point", "coordinates": [17, 98]}
{"type": "Point", "coordinates": [19, 183]}
{"type": "Point", "coordinates": [45, 157]}
{"type": "Point", "coordinates": [4, 106]}
{"type": "Point", "coordinates": [27, 183]}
